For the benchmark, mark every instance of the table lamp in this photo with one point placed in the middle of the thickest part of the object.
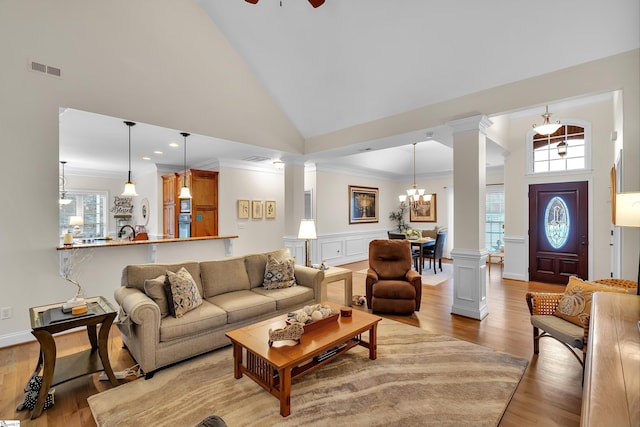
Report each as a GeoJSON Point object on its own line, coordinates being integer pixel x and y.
{"type": "Point", "coordinates": [307, 232]}
{"type": "Point", "coordinates": [76, 222]}
{"type": "Point", "coordinates": [628, 215]}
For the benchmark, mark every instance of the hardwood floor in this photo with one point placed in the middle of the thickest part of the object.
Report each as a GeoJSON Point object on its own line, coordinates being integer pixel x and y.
{"type": "Point", "coordinates": [549, 394]}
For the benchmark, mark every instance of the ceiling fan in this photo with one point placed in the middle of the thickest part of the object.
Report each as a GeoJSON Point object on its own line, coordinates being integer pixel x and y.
{"type": "Point", "coordinates": [314, 3]}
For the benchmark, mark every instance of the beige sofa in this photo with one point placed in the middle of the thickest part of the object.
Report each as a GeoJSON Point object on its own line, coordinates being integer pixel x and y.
{"type": "Point", "coordinates": [233, 297]}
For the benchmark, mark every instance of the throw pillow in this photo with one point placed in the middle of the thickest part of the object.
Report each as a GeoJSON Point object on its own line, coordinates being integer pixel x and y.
{"type": "Point", "coordinates": [575, 304]}
{"type": "Point", "coordinates": [181, 289]}
{"type": "Point", "coordinates": [154, 288]}
{"type": "Point", "coordinates": [279, 274]}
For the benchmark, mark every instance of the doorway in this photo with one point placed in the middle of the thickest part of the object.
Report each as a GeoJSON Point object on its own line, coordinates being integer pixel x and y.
{"type": "Point", "coordinates": [558, 231]}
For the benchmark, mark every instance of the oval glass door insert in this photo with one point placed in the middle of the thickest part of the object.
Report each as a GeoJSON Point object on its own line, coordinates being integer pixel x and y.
{"type": "Point", "coordinates": [556, 222]}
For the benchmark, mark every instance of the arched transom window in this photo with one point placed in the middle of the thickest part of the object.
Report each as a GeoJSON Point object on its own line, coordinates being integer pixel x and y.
{"type": "Point", "coordinates": [564, 150]}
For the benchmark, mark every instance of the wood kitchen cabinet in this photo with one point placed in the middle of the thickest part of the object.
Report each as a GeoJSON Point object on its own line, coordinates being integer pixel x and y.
{"type": "Point", "coordinates": [204, 202]}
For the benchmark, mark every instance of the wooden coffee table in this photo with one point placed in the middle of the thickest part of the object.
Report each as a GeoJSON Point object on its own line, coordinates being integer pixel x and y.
{"type": "Point", "coordinates": [275, 367]}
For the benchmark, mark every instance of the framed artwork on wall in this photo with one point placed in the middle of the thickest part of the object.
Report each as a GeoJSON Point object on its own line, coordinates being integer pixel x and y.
{"type": "Point", "coordinates": [243, 209]}
{"type": "Point", "coordinates": [363, 204]}
{"type": "Point", "coordinates": [256, 209]}
{"type": "Point", "coordinates": [270, 209]}
{"type": "Point", "coordinates": [425, 212]}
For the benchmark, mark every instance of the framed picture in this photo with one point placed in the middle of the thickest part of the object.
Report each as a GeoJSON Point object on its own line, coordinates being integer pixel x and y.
{"type": "Point", "coordinates": [426, 211]}
{"type": "Point", "coordinates": [270, 209]}
{"type": "Point", "coordinates": [243, 209]}
{"type": "Point", "coordinates": [363, 204]}
{"type": "Point", "coordinates": [256, 209]}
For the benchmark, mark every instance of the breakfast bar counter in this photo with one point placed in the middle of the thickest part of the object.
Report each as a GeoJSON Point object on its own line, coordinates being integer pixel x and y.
{"type": "Point", "coordinates": [116, 242]}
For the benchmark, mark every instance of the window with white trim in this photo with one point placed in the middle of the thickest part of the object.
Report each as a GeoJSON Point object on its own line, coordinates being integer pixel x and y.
{"type": "Point", "coordinates": [494, 218]}
{"type": "Point", "coordinates": [92, 207]}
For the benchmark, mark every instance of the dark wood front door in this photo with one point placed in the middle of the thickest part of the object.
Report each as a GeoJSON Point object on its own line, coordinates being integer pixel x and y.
{"type": "Point", "coordinates": [558, 231]}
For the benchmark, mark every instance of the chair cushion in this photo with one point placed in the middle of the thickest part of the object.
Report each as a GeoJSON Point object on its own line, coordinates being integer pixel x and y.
{"type": "Point", "coordinates": [560, 329]}
{"type": "Point", "coordinates": [575, 304]}
{"type": "Point", "coordinates": [394, 289]}
{"type": "Point", "coordinates": [390, 259]}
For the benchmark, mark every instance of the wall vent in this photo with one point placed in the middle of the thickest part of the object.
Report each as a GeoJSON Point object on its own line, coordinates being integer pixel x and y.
{"type": "Point", "coordinates": [45, 69]}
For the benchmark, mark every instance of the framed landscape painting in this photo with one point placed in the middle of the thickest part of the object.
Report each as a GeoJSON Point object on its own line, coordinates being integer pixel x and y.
{"type": "Point", "coordinates": [363, 204]}
{"type": "Point", "coordinates": [425, 212]}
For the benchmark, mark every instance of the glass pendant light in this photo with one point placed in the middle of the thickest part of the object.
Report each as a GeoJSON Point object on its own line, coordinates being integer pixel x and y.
{"type": "Point", "coordinates": [129, 187]}
{"type": "Point", "coordinates": [63, 194]}
{"type": "Point", "coordinates": [184, 191]}
{"type": "Point", "coordinates": [547, 128]}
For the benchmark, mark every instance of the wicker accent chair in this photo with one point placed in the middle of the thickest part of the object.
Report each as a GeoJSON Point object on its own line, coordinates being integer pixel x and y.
{"type": "Point", "coordinates": [543, 305]}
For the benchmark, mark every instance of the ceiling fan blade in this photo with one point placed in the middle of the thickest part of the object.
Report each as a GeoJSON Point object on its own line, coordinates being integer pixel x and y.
{"type": "Point", "coordinates": [315, 3]}
{"type": "Point", "coordinates": [252, 1]}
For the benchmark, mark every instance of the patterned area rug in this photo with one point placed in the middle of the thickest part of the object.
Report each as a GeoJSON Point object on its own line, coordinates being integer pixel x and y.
{"type": "Point", "coordinates": [428, 277]}
{"type": "Point", "coordinates": [418, 379]}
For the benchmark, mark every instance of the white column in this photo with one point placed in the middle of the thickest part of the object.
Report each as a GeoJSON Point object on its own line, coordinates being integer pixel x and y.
{"type": "Point", "coordinates": [469, 181]}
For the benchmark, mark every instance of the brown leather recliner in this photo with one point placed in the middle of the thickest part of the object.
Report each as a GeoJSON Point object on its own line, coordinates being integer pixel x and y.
{"type": "Point", "coordinates": [391, 285]}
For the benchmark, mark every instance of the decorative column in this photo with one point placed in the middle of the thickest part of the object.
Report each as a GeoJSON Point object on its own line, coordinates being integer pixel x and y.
{"type": "Point", "coordinates": [469, 181]}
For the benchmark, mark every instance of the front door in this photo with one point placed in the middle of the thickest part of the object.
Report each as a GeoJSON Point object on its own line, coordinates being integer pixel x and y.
{"type": "Point", "coordinates": [558, 231]}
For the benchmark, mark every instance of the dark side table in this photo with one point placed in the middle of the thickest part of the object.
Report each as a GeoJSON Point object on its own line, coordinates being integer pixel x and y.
{"type": "Point", "coordinates": [48, 320]}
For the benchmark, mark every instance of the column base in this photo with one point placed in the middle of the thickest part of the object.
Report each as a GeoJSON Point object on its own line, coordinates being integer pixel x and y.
{"type": "Point", "coordinates": [470, 283]}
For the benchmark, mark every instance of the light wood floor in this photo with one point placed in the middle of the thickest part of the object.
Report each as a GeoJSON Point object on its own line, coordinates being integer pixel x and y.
{"type": "Point", "coordinates": [548, 395]}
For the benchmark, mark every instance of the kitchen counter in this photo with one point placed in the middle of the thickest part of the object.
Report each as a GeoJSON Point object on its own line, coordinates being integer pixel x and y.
{"type": "Point", "coordinates": [116, 242]}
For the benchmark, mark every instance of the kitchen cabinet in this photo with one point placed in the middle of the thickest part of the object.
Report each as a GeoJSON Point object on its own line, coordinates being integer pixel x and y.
{"type": "Point", "coordinates": [204, 202]}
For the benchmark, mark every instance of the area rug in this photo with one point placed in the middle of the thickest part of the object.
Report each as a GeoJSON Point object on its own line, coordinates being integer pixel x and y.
{"type": "Point", "coordinates": [418, 379]}
{"type": "Point", "coordinates": [428, 277]}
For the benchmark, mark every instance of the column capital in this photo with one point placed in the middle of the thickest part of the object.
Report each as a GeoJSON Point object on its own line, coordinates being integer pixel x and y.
{"type": "Point", "coordinates": [478, 123]}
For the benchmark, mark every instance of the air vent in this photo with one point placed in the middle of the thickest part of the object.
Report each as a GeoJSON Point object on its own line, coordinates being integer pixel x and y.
{"type": "Point", "coordinates": [256, 159]}
{"type": "Point", "coordinates": [45, 69]}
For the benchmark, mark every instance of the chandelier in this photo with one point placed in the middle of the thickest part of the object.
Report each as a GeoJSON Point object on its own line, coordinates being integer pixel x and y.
{"type": "Point", "coordinates": [547, 128]}
{"type": "Point", "coordinates": [416, 195]}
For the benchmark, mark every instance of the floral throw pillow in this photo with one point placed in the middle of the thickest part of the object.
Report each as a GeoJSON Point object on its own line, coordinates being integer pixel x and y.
{"type": "Point", "coordinates": [181, 289]}
{"type": "Point", "coordinates": [575, 304]}
{"type": "Point", "coordinates": [279, 274]}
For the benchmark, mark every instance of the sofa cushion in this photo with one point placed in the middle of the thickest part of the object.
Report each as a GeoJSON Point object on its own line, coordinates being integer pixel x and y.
{"type": "Point", "coordinates": [243, 305]}
{"type": "Point", "coordinates": [279, 274]}
{"type": "Point", "coordinates": [182, 292]}
{"type": "Point", "coordinates": [255, 265]}
{"type": "Point", "coordinates": [287, 297]}
{"type": "Point", "coordinates": [154, 288]}
{"type": "Point", "coordinates": [575, 304]}
{"type": "Point", "coordinates": [133, 276]}
{"type": "Point", "coordinates": [199, 320]}
{"type": "Point", "coordinates": [224, 275]}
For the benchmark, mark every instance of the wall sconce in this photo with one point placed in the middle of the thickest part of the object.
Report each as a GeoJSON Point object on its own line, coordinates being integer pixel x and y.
{"type": "Point", "coordinates": [307, 232]}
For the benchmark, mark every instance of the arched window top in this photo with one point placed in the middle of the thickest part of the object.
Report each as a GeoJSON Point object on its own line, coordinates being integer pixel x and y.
{"type": "Point", "coordinates": [543, 154]}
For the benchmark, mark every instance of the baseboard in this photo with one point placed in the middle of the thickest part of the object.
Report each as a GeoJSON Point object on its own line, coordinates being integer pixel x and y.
{"type": "Point", "coordinates": [16, 338]}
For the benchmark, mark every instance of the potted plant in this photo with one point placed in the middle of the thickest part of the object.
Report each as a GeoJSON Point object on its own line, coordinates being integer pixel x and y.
{"type": "Point", "coordinates": [398, 217]}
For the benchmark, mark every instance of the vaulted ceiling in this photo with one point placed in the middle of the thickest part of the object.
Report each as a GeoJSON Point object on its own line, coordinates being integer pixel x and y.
{"type": "Point", "coordinates": [351, 62]}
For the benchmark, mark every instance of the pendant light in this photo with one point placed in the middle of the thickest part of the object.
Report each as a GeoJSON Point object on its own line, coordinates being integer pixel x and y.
{"type": "Point", "coordinates": [129, 187]}
{"type": "Point", "coordinates": [416, 195]}
{"type": "Point", "coordinates": [547, 128]}
{"type": "Point", "coordinates": [184, 191]}
{"type": "Point", "coordinates": [562, 148]}
{"type": "Point", "coordinates": [63, 194]}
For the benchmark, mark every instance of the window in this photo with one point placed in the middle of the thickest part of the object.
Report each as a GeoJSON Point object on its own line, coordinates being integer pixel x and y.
{"type": "Point", "coordinates": [544, 150]}
{"type": "Point", "coordinates": [494, 222]}
{"type": "Point", "coordinates": [92, 207]}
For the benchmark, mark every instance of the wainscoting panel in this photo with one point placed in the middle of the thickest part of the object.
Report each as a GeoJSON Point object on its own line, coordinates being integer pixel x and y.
{"type": "Point", "coordinates": [335, 248]}
{"type": "Point", "coordinates": [516, 258]}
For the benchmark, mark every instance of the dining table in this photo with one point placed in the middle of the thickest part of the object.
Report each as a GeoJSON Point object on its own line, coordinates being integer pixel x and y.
{"type": "Point", "coordinates": [420, 245]}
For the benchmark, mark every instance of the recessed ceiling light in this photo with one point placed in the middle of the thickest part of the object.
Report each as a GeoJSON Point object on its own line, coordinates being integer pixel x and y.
{"type": "Point", "coordinates": [146, 158]}
{"type": "Point", "coordinates": [157, 152]}
{"type": "Point", "coordinates": [174, 144]}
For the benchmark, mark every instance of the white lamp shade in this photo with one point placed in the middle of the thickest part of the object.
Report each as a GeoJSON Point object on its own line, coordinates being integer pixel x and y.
{"type": "Point", "coordinates": [402, 198]}
{"type": "Point", "coordinates": [184, 193]}
{"type": "Point", "coordinates": [64, 201]}
{"type": "Point", "coordinates": [547, 129]}
{"type": "Point", "coordinates": [628, 209]}
{"type": "Point", "coordinates": [411, 192]}
{"type": "Point", "coordinates": [427, 197]}
{"type": "Point", "coordinates": [307, 229]}
{"type": "Point", "coordinates": [129, 189]}
{"type": "Point", "coordinates": [76, 220]}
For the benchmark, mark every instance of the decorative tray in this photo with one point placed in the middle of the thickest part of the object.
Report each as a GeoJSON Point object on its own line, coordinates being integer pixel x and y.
{"type": "Point", "coordinates": [319, 323]}
{"type": "Point", "coordinates": [304, 316]}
